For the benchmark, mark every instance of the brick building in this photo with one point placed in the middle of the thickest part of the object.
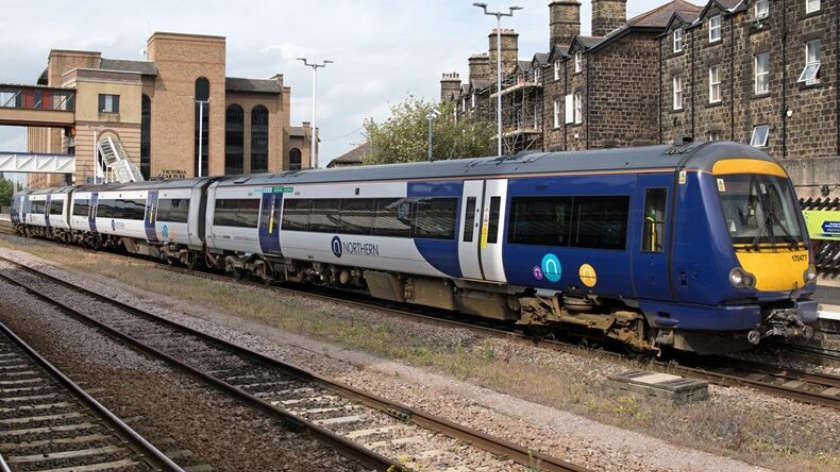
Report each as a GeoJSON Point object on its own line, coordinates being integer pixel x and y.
{"type": "Point", "coordinates": [756, 71]}
{"type": "Point", "coordinates": [153, 108]}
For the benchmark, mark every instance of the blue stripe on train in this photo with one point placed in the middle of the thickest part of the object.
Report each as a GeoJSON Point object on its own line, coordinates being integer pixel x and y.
{"type": "Point", "coordinates": [442, 254]}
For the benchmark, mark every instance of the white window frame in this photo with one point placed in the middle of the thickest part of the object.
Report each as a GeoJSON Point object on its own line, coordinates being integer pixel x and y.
{"type": "Point", "coordinates": [714, 136]}
{"type": "Point", "coordinates": [812, 6]}
{"type": "Point", "coordinates": [714, 72]}
{"type": "Point", "coordinates": [762, 9]}
{"type": "Point", "coordinates": [472, 100]}
{"type": "Point", "coordinates": [679, 40]}
{"type": "Point", "coordinates": [812, 68]}
{"type": "Point", "coordinates": [756, 140]}
{"type": "Point", "coordinates": [578, 108]}
{"type": "Point", "coordinates": [759, 75]}
{"type": "Point", "coordinates": [570, 109]}
{"type": "Point", "coordinates": [578, 62]}
{"type": "Point", "coordinates": [537, 74]}
{"type": "Point", "coordinates": [463, 103]}
{"type": "Point", "coordinates": [557, 70]}
{"type": "Point", "coordinates": [713, 38]}
{"type": "Point", "coordinates": [678, 97]}
{"type": "Point", "coordinates": [556, 111]}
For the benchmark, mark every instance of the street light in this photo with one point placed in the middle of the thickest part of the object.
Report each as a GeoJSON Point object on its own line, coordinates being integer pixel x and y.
{"type": "Point", "coordinates": [315, 68]}
{"type": "Point", "coordinates": [498, 15]}
{"type": "Point", "coordinates": [431, 118]}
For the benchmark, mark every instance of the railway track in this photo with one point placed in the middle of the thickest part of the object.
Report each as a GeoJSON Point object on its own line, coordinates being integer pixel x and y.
{"type": "Point", "coordinates": [369, 428]}
{"type": "Point", "coordinates": [47, 422]}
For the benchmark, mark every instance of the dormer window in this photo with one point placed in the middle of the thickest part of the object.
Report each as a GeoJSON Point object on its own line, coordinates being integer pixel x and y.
{"type": "Point", "coordinates": [762, 9]}
{"type": "Point", "coordinates": [679, 35]}
{"type": "Point", "coordinates": [556, 70]}
{"type": "Point", "coordinates": [537, 75]}
{"type": "Point", "coordinates": [472, 100]}
{"type": "Point", "coordinates": [812, 6]}
{"type": "Point", "coordinates": [714, 29]}
{"type": "Point", "coordinates": [578, 62]}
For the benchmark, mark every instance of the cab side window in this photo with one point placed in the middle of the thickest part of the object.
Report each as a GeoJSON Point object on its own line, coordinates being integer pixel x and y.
{"type": "Point", "coordinates": [653, 237]}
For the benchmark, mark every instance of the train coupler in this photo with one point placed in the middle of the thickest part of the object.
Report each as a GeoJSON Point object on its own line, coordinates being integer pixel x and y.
{"type": "Point", "coordinates": [782, 322]}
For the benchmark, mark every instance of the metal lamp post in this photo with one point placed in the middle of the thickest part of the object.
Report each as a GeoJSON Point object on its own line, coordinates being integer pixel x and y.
{"type": "Point", "coordinates": [315, 68]}
{"type": "Point", "coordinates": [431, 119]}
{"type": "Point", "coordinates": [201, 104]}
{"type": "Point", "coordinates": [498, 15]}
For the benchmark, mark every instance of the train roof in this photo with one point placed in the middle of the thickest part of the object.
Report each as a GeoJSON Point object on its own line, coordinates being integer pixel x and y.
{"type": "Point", "coordinates": [700, 156]}
{"type": "Point", "coordinates": [156, 184]}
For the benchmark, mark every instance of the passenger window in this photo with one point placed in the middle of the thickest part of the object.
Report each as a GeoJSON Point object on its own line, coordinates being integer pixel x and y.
{"type": "Point", "coordinates": [493, 225]}
{"type": "Point", "coordinates": [469, 220]}
{"type": "Point", "coordinates": [653, 239]}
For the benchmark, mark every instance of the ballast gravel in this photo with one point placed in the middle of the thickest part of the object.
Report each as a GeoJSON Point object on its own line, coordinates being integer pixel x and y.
{"type": "Point", "coordinates": [557, 433]}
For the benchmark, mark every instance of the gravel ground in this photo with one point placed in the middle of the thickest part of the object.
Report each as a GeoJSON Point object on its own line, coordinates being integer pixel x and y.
{"type": "Point", "coordinates": [223, 433]}
{"type": "Point", "coordinates": [551, 431]}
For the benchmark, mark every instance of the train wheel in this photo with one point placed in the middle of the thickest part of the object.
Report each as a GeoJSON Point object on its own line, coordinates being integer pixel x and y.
{"type": "Point", "coordinates": [263, 273]}
{"type": "Point", "coordinates": [191, 261]}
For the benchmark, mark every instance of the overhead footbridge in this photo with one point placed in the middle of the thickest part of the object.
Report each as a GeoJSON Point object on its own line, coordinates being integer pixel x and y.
{"type": "Point", "coordinates": [36, 105]}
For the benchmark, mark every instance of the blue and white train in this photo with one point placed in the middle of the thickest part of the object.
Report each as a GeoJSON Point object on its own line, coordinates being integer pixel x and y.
{"type": "Point", "coordinates": [698, 247]}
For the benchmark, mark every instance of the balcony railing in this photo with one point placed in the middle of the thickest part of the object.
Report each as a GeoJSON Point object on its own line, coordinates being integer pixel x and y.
{"type": "Point", "coordinates": [37, 98]}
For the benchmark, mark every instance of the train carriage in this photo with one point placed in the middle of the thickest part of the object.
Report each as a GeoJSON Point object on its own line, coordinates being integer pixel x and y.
{"type": "Point", "coordinates": [697, 247]}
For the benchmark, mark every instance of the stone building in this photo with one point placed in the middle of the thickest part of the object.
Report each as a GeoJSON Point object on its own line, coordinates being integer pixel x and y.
{"type": "Point", "coordinates": [755, 71]}
{"type": "Point", "coordinates": [167, 107]}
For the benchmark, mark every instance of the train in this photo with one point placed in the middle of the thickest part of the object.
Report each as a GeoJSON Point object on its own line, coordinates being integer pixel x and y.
{"type": "Point", "coordinates": [696, 247]}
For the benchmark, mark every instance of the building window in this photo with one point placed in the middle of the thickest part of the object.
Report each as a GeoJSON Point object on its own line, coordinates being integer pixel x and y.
{"type": "Point", "coordinates": [472, 100]}
{"type": "Point", "coordinates": [109, 103]}
{"type": "Point", "coordinates": [259, 139]}
{"type": "Point", "coordinates": [578, 108]}
{"type": "Point", "coordinates": [294, 159]}
{"type": "Point", "coordinates": [556, 112]}
{"type": "Point", "coordinates": [234, 140]}
{"type": "Point", "coordinates": [570, 109]}
{"type": "Point", "coordinates": [760, 135]}
{"type": "Point", "coordinates": [537, 74]}
{"type": "Point", "coordinates": [762, 73]}
{"type": "Point", "coordinates": [762, 9]}
{"type": "Point", "coordinates": [813, 62]}
{"type": "Point", "coordinates": [578, 62]}
{"type": "Point", "coordinates": [714, 136]}
{"type": "Point", "coordinates": [714, 29]}
{"type": "Point", "coordinates": [812, 6]}
{"type": "Point", "coordinates": [557, 70]}
{"type": "Point", "coordinates": [714, 84]}
{"type": "Point", "coordinates": [202, 125]}
{"type": "Point", "coordinates": [145, 136]}
{"type": "Point", "coordinates": [679, 34]}
{"type": "Point", "coordinates": [678, 92]}
{"type": "Point", "coordinates": [463, 103]}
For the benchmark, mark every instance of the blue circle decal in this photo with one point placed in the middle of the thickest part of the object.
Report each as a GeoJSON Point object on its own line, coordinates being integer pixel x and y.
{"type": "Point", "coordinates": [336, 246]}
{"type": "Point", "coordinates": [165, 231]}
{"type": "Point", "coordinates": [551, 268]}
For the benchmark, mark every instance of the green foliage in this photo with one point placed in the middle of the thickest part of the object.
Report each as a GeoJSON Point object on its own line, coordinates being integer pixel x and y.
{"type": "Point", "coordinates": [7, 188]}
{"type": "Point", "coordinates": [404, 137]}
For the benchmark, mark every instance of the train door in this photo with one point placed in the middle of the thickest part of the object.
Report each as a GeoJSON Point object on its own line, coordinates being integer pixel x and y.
{"type": "Point", "coordinates": [470, 234]}
{"type": "Point", "coordinates": [651, 251]}
{"type": "Point", "coordinates": [151, 215]}
{"type": "Point", "coordinates": [270, 209]}
{"type": "Point", "coordinates": [492, 229]}
{"type": "Point", "coordinates": [94, 202]}
{"type": "Point", "coordinates": [47, 211]}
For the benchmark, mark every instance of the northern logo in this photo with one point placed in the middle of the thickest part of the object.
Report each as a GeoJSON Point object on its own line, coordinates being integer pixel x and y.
{"type": "Point", "coordinates": [336, 246]}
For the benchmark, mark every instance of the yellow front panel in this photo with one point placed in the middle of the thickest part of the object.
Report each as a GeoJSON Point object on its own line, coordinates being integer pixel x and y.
{"type": "Point", "coordinates": [775, 269]}
{"type": "Point", "coordinates": [747, 166]}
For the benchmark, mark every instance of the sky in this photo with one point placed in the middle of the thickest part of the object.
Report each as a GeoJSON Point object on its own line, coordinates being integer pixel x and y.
{"type": "Point", "coordinates": [383, 50]}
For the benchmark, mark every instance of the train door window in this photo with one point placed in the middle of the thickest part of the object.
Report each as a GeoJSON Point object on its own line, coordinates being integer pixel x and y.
{"type": "Point", "coordinates": [469, 220]}
{"type": "Point", "coordinates": [357, 215]}
{"type": "Point", "coordinates": [601, 222]}
{"type": "Point", "coordinates": [324, 217]}
{"type": "Point", "coordinates": [81, 207]}
{"type": "Point", "coordinates": [393, 218]}
{"type": "Point", "coordinates": [56, 207]}
{"type": "Point", "coordinates": [653, 238]}
{"type": "Point", "coordinates": [493, 225]}
{"type": "Point", "coordinates": [435, 218]}
{"type": "Point", "coordinates": [296, 214]}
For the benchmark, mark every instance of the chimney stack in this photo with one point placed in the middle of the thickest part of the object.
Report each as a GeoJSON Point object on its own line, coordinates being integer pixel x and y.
{"type": "Point", "coordinates": [450, 86]}
{"type": "Point", "coordinates": [510, 51]}
{"type": "Point", "coordinates": [480, 68]}
{"type": "Point", "coordinates": [564, 22]}
{"type": "Point", "coordinates": [608, 15]}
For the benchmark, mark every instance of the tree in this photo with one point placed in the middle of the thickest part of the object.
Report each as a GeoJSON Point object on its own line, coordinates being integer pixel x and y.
{"type": "Point", "coordinates": [7, 188]}
{"type": "Point", "coordinates": [404, 136]}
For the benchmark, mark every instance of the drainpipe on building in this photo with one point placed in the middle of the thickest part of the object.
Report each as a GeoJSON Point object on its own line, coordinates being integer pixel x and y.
{"type": "Point", "coordinates": [659, 87]}
{"type": "Point", "coordinates": [784, 79]}
{"type": "Point", "coordinates": [837, 73]}
{"type": "Point", "coordinates": [732, 77]}
{"type": "Point", "coordinates": [691, 80]}
{"type": "Point", "coordinates": [588, 89]}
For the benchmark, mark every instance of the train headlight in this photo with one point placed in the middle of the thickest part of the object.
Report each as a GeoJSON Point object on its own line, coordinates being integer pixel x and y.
{"type": "Point", "coordinates": [739, 278]}
{"type": "Point", "coordinates": [810, 273]}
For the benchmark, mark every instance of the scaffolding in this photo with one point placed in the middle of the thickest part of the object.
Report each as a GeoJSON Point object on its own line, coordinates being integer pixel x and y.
{"type": "Point", "coordinates": [522, 113]}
